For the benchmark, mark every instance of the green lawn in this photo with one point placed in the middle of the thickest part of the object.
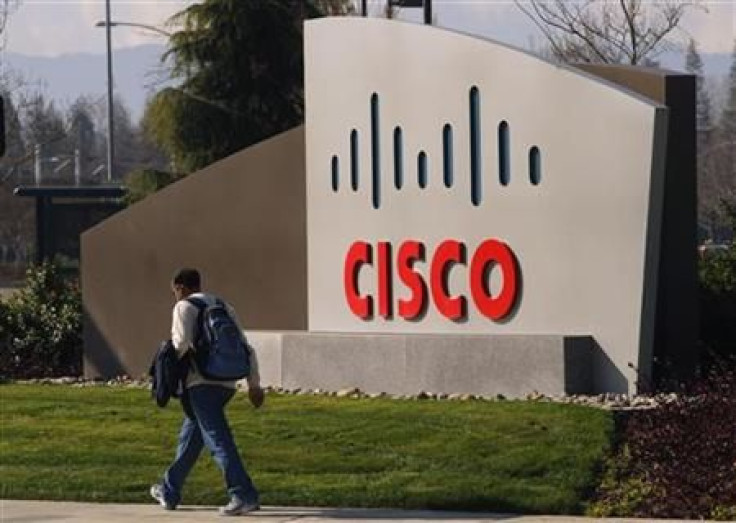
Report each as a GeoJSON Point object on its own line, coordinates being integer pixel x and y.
{"type": "Point", "coordinates": [110, 444]}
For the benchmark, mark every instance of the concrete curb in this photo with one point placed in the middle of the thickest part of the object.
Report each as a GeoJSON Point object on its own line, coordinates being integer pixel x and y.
{"type": "Point", "coordinates": [13, 511]}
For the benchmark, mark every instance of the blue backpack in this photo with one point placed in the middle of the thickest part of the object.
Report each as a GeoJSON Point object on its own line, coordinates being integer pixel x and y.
{"type": "Point", "coordinates": [221, 351]}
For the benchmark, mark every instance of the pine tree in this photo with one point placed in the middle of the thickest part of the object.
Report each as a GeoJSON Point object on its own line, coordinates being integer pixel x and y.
{"type": "Point", "coordinates": [728, 117]}
{"type": "Point", "coordinates": [723, 153]}
{"type": "Point", "coordinates": [694, 65]}
{"type": "Point", "coordinates": [706, 174]}
{"type": "Point", "coordinates": [82, 135]}
{"type": "Point", "coordinates": [727, 138]}
{"type": "Point", "coordinates": [239, 67]}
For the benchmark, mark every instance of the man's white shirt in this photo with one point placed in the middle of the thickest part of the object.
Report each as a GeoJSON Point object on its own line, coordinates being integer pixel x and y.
{"type": "Point", "coordinates": [183, 330]}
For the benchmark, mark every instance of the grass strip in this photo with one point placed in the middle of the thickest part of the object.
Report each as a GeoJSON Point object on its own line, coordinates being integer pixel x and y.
{"type": "Point", "coordinates": [109, 444]}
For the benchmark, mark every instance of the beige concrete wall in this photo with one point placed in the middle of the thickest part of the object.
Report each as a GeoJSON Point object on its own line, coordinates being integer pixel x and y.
{"type": "Point", "coordinates": [241, 221]}
{"type": "Point", "coordinates": [441, 363]}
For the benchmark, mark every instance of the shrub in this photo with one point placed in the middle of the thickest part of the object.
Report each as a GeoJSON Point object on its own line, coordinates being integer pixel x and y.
{"type": "Point", "coordinates": [678, 459]}
{"type": "Point", "coordinates": [717, 274]}
{"type": "Point", "coordinates": [619, 494]}
{"type": "Point", "coordinates": [718, 303]}
{"type": "Point", "coordinates": [41, 326]}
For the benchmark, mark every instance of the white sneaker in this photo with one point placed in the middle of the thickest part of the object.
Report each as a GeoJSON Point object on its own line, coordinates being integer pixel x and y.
{"type": "Point", "coordinates": [238, 507]}
{"type": "Point", "coordinates": [157, 493]}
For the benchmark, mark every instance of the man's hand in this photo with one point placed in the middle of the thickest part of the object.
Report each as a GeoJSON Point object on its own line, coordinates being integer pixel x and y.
{"type": "Point", "coordinates": [256, 396]}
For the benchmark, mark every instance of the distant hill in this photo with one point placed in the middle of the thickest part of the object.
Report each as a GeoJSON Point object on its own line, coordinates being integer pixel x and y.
{"type": "Point", "coordinates": [137, 69]}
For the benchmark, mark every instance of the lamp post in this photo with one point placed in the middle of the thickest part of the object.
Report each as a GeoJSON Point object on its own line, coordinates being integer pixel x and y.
{"type": "Point", "coordinates": [108, 24]}
{"type": "Point", "coordinates": [110, 121]}
{"type": "Point", "coordinates": [425, 4]}
{"type": "Point", "coordinates": [115, 23]}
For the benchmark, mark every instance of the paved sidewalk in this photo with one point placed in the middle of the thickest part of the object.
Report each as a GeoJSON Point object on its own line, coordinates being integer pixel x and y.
{"type": "Point", "coordinates": [43, 511]}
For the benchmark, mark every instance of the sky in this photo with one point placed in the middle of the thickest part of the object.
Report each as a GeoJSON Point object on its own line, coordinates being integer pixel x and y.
{"type": "Point", "coordinates": [55, 27]}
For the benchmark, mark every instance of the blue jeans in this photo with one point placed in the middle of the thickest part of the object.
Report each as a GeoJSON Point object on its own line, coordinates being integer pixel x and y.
{"type": "Point", "coordinates": [205, 424]}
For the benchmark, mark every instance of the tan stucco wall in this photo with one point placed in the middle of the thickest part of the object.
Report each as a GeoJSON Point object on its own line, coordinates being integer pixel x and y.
{"type": "Point", "coordinates": [240, 221]}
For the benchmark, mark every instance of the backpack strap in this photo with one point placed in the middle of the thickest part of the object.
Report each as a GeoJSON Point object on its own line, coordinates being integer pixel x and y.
{"type": "Point", "coordinates": [201, 305]}
{"type": "Point", "coordinates": [197, 302]}
{"type": "Point", "coordinates": [219, 302]}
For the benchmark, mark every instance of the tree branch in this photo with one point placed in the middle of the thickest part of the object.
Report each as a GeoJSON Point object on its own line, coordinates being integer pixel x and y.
{"type": "Point", "coordinates": [607, 32]}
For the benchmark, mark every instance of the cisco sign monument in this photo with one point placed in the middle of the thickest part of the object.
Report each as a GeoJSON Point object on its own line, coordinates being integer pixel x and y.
{"type": "Point", "coordinates": [466, 217]}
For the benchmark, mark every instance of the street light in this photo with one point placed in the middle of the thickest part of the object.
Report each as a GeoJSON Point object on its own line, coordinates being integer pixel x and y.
{"type": "Point", "coordinates": [112, 23]}
{"type": "Point", "coordinates": [108, 25]}
{"type": "Point", "coordinates": [110, 141]}
{"type": "Point", "coordinates": [426, 4]}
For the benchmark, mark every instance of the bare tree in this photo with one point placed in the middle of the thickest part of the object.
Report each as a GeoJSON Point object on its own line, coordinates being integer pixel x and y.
{"type": "Point", "coordinates": [608, 31]}
{"type": "Point", "coordinates": [16, 214]}
{"type": "Point", "coordinates": [6, 7]}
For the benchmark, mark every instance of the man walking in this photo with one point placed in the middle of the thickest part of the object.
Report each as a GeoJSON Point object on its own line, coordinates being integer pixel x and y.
{"type": "Point", "coordinates": [204, 401]}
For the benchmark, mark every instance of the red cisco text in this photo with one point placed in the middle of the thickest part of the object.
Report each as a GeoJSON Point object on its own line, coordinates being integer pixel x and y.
{"type": "Point", "coordinates": [491, 254]}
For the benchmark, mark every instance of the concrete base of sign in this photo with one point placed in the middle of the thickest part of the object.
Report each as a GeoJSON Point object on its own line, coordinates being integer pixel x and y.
{"type": "Point", "coordinates": [486, 365]}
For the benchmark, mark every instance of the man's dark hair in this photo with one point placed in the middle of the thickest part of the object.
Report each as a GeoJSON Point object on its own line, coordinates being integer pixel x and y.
{"type": "Point", "coordinates": [189, 278]}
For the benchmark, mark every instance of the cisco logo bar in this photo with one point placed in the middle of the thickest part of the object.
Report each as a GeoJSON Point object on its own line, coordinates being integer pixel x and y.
{"type": "Point", "coordinates": [475, 150]}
